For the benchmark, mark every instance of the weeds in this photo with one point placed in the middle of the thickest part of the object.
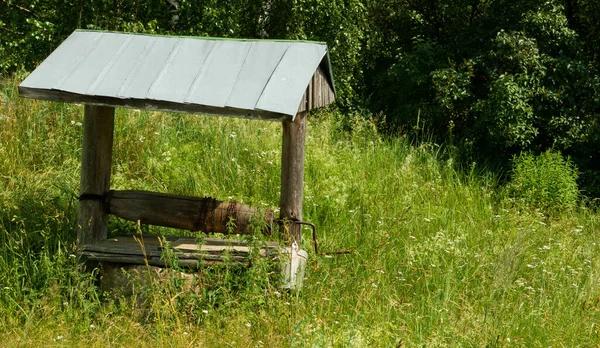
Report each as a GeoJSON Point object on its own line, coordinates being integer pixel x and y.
{"type": "Point", "coordinates": [547, 182]}
{"type": "Point", "coordinates": [438, 259]}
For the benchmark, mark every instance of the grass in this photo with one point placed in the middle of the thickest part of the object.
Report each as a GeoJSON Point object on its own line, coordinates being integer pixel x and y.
{"type": "Point", "coordinates": [439, 257]}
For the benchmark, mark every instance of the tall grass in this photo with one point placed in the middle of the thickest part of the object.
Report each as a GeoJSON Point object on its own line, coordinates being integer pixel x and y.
{"type": "Point", "coordinates": [439, 257]}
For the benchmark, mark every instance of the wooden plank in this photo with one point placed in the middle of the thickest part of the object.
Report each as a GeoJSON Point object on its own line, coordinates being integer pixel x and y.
{"type": "Point", "coordinates": [147, 104]}
{"type": "Point", "coordinates": [190, 252]}
{"type": "Point", "coordinates": [188, 213]}
{"type": "Point", "coordinates": [98, 129]}
{"type": "Point", "coordinates": [316, 89]}
{"type": "Point", "coordinates": [292, 172]}
{"type": "Point", "coordinates": [304, 102]}
{"type": "Point", "coordinates": [154, 243]}
{"type": "Point", "coordinates": [140, 260]}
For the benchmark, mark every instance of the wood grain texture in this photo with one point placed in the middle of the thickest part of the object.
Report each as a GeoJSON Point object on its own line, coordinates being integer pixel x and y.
{"type": "Point", "coordinates": [319, 92]}
{"type": "Point", "coordinates": [292, 172]}
{"type": "Point", "coordinates": [98, 130]}
{"type": "Point", "coordinates": [188, 213]}
{"type": "Point", "coordinates": [190, 252]}
{"type": "Point", "coordinates": [147, 104]}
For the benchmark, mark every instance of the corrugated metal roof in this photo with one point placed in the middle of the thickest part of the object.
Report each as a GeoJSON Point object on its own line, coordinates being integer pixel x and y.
{"type": "Point", "coordinates": [227, 77]}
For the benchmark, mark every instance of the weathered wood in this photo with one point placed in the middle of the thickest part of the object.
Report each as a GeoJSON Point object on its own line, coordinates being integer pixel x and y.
{"type": "Point", "coordinates": [319, 92]}
{"type": "Point", "coordinates": [98, 129]}
{"type": "Point", "coordinates": [316, 97]}
{"type": "Point", "coordinates": [292, 172]}
{"type": "Point", "coordinates": [188, 213]}
{"type": "Point", "coordinates": [146, 104]}
{"type": "Point", "coordinates": [190, 252]}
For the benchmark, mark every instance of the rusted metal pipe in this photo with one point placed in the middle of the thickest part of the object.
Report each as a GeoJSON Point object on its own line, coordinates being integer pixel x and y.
{"type": "Point", "coordinates": [314, 237]}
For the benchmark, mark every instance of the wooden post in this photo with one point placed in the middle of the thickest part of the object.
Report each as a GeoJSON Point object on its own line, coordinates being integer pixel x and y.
{"type": "Point", "coordinates": [98, 129]}
{"type": "Point", "coordinates": [292, 172]}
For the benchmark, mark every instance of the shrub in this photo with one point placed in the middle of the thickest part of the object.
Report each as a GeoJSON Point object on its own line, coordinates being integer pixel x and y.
{"type": "Point", "coordinates": [547, 182]}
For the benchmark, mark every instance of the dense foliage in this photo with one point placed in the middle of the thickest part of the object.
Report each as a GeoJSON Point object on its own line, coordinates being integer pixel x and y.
{"type": "Point", "coordinates": [494, 77]}
{"type": "Point", "coordinates": [490, 77]}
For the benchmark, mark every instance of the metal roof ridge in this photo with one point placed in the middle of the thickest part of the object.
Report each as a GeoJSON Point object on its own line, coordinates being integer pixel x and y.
{"type": "Point", "coordinates": [200, 37]}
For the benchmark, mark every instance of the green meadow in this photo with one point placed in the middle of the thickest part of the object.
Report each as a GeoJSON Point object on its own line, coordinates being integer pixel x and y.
{"type": "Point", "coordinates": [441, 254]}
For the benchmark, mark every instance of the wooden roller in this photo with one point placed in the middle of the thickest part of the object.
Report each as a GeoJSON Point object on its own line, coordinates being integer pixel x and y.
{"type": "Point", "coordinates": [188, 213]}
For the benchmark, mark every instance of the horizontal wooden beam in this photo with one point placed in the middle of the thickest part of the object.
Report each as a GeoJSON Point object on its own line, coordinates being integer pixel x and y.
{"type": "Point", "coordinates": [190, 252]}
{"type": "Point", "coordinates": [149, 104]}
{"type": "Point", "coordinates": [188, 213]}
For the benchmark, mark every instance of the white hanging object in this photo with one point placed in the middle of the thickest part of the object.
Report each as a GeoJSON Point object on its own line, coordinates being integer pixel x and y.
{"type": "Point", "coordinates": [293, 266]}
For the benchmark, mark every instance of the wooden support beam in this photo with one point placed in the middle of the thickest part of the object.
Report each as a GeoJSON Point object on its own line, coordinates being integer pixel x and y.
{"type": "Point", "coordinates": [292, 172]}
{"type": "Point", "coordinates": [98, 129]}
{"type": "Point", "coordinates": [188, 251]}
